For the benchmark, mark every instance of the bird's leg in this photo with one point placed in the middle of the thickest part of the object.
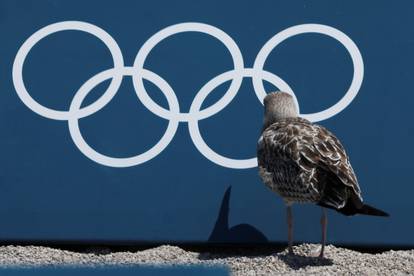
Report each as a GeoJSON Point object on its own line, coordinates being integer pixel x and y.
{"type": "Point", "coordinates": [324, 221]}
{"type": "Point", "coordinates": [290, 227]}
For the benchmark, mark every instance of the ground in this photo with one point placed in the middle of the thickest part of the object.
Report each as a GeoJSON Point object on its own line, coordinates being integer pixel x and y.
{"type": "Point", "coordinates": [251, 261]}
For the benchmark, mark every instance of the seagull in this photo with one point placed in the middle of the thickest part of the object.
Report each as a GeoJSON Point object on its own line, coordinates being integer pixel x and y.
{"type": "Point", "coordinates": [305, 163]}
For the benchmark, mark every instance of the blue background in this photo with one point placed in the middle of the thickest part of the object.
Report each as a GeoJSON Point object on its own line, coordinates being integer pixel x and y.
{"type": "Point", "coordinates": [50, 191]}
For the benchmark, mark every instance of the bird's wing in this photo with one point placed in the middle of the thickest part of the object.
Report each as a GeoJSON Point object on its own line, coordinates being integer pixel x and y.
{"type": "Point", "coordinates": [331, 155]}
{"type": "Point", "coordinates": [311, 147]}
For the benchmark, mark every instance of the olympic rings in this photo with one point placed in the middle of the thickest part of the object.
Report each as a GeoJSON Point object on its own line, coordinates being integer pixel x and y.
{"type": "Point", "coordinates": [173, 114]}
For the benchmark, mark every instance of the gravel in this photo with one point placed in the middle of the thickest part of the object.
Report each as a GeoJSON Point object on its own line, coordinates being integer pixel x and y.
{"type": "Point", "coordinates": [338, 261]}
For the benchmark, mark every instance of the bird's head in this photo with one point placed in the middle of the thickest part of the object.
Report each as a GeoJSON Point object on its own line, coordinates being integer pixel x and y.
{"type": "Point", "coordinates": [278, 105]}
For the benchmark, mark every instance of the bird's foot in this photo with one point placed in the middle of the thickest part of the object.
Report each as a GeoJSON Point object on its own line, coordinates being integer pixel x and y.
{"type": "Point", "coordinates": [321, 255]}
{"type": "Point", "coordinates": [318, 252]}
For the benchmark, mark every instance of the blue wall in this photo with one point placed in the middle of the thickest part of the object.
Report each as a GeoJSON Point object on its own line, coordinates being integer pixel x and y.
{"type": "Point", "coordinates": [49, 190]}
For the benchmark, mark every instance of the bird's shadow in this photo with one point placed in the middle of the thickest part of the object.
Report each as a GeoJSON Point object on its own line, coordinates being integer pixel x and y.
{"type": "Point", "coordinates": [223, 234]}
{"type": "Point", "coordinates": [299, 261]}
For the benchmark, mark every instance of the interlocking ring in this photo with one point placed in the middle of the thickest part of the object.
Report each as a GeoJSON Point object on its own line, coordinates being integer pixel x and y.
{"type": "Point", "coordinates": [173, 114]}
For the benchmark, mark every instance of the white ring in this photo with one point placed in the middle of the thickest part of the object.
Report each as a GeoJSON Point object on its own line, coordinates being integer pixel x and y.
{"type": "Point", "coordinates": [92, 154]}
{"type": "Point", "coordinates": [193, 127]}
{"type": "Point", "coordinates": [175, 29]}
{"type": "Point", "coordinates": [326, 30]}
{"type": "Point", "coordinates": [57, 27]}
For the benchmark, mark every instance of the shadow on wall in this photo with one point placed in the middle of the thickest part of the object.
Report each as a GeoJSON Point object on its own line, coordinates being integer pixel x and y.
{"type": "Point", "coordinates": [239, 233]}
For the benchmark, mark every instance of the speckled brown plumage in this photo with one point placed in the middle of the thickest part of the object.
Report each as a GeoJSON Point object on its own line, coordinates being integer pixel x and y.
{"type": "Point", "coordinates": [306, 163]}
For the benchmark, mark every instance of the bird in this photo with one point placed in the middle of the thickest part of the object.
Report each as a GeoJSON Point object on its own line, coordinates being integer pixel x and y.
{"type": "Point", "coordinates": [304, 162]}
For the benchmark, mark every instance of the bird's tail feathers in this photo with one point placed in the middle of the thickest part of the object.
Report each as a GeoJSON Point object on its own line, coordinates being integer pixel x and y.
{"type": "Point", "coordinates": [351, 209]}
{"type": "Point", "coordinates": [371, 211]}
